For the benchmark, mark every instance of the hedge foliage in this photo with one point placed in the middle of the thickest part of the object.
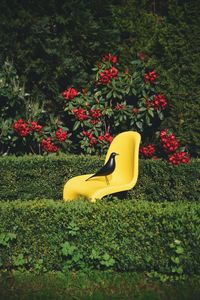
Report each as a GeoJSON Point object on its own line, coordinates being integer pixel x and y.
{"type": "Point", "coordinates": [54, 44]}
{"type": "Point", "coordinates": [160, 238]}
{"type": "Point", "coordinates": [36, 177]}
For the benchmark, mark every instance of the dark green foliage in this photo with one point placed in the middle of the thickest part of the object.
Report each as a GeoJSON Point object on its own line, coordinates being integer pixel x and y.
{"type": "Point", "coordinates": [54, 42]}
{"type": "Point", "coordinates": [53, 45]}
{"type": "Point", "coordinates": [123, 235]}
{"type": "Point", "coordinates": [33, 177]}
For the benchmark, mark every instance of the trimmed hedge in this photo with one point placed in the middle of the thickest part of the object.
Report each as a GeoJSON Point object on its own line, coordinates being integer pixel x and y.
{"type": "Point", "coordinates": [123, 235]}
{"type": "Point", "coordinates": [36, 177]}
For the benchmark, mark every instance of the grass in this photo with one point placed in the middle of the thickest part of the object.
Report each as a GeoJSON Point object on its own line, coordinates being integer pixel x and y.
{"type": "Point", "coordinates": [93, 285]}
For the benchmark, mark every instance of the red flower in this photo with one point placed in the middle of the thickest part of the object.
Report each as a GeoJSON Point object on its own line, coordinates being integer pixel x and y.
{"type": "Point", "coordinates": [178, 158]}
{"type": "Point", "coordinates": [159, 102]}
{"type": "Point", "coordinates": [48, 146]}
{"type": "Point", "coordinates": [21, 128]}
{"type": "Point", "coordinates": [70, 93]}
{"type": "Point", "coordinates": [119, 106]}
{"type": "Point", "coordinates": [150, 76]}
{"type": "Point", "coordinates": [107, 75]}
{"type": "Point", "coordinates": [61, 135]}
{"type": "Point", "coordinates": [111, 58]}
{"type": "Point", "coordinates": [163, 133]}
{"type": "Point", "coordinates": [168, 141]}
{"type": "Point", "coordinates": [147, 151]}
{"type": "Point", "coordinates": [80, 114]}
{"type": "Point", "coordinates": [113, 72]}
{"type": "Point", "coordinates": [89, 135]}
{"type": "Point", "coordinates": [95, 113]}
{"type": "Point", "coordinates": [106, 137]}
{"type": "Point", "coordinates": [104, 78]}
{"type": "Point", "coordinates": [101, 137]}
{"type": "Point", "coordinates": [34, 126]}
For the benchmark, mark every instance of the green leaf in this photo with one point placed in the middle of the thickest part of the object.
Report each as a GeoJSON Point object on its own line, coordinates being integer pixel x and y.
{"type": "Point", "coordinates": [179, 250]}
{"type": "Point", "coordinates": [76, 125]}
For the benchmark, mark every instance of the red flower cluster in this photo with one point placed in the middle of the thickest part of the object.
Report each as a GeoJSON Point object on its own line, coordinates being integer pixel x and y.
{"type": "Point", "coordinates": [168, 141]}
{"type": "Point", "coordinates": [119, 106]}
{"type": "Point", "coordinates": [80, 114]}
{"type": "Point", "coordinates": [34, 126]}
{"type": "Point", "coordinates": [61, 135]}
{"type": "Point", "coordinates": [107, 75]}
{"type": "Point", "coordinates": [159, 102]}
{"type": "Point", "coordinates": [106, 137]}
{"type": "Point", "coordinates": [89, 135]}
{"type": "Point", "coordinates": [111, 58]}
{"type": "Point", "coordinates": [147, 151]}
{"type": "Point", "coordinates": [48, 146]}
{"type": "Point", "coordinates": [150, 76]}
{"type": "Point", "coordinates": [179, 157]}
{"type": "Point", "coordinates": [95, 113]}
{"type": "Point", "coordinates": [23, 129]}
{"type": "Point", "coordinates": [69, 93]}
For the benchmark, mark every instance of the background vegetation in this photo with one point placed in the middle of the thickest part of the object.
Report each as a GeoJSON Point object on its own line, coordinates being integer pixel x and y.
{"type": "Point", "coordinates": [53, 44]}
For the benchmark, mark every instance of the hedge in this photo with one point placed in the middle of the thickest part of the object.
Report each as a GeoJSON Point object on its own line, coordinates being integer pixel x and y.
{"type": "Point", "coordinates": [36, 177]}
{"type": "Point", "coordinates": [123, 235]}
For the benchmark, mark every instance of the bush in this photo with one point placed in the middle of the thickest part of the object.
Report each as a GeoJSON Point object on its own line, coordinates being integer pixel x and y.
{"type": "Point", "coordinates": [161, 238]}
{"type": "Point", "coordinates": [63, 46]}
{"type": "Point", "coordinates": [33, 177]}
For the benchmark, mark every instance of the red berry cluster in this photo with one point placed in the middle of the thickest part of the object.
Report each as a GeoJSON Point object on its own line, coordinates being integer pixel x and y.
{"type": "Point", "coordinates": [111, 58]}
{"type": "Point", "coordinates": [178, 158]}
{"type": "Point", "coordinates": [61, 135]}
{"type": "Point", "coordinates": [70, 93]}
{"type": "Point", "coordinates": [107, 75]}
{"type": "Point", "coordinates": [168, 141]}
{"type": "Point", "coordinates": [147, 151]}
{"type": "Point", "coordinates": [23, 128]}
{"type": "Point", "coordinates": [80, 114]}
{"type": "Point", "coordinates": [150, 76]}
{"type": "Point", "coordinates": [48, 146]}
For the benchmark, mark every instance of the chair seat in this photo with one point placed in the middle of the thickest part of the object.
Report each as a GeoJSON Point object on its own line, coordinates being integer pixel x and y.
{"type": "Point", "coordinates": [124, 177]}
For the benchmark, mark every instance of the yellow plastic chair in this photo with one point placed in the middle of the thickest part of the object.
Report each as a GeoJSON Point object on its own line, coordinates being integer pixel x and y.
{"type": "Point", "coordinates": [124, 177]}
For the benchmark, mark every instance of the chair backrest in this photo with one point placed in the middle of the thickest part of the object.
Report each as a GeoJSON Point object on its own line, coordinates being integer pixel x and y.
{"type": "Point", "coordinates": [126, 144]}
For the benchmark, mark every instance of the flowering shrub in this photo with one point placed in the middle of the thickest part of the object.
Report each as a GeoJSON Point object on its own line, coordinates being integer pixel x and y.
{"type": "Point", "coordinates": [170, 146]}
{"type": "Point", "coordinates": [117, 99]}
{"type": "Point", "coordinates": [37, 138]}
{"type": "Point", "coordinates": [147, 151]}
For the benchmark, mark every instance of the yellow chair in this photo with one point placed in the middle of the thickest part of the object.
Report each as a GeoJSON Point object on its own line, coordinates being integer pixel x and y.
{"type": "Point", "coordinates": [124, 177]}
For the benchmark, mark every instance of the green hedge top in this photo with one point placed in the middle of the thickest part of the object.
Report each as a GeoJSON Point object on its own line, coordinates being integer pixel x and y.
{"type": "Point", "coordinates": [33, 177]}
